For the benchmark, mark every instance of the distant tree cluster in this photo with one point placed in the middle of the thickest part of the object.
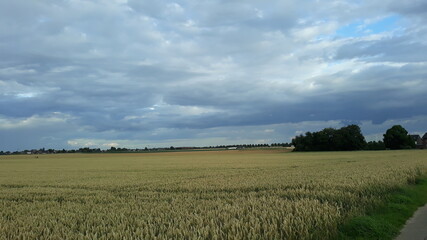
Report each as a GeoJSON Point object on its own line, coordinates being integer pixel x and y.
{"type": "Point", "coordinates": [281, 144]}
{"type": "Point", "coordinates": [397, 138]}
{"type": "Point", "coordinates": [114, 149]}
{"type": "Point", "coordinates": [330, 139]}
{"type": "Point", "coordinates": [260, 145]}
{"type": "Point", "coordinates": [350, 138]}
{"type": "Point", "coordinates": [375, 145]}
{"type": "Point", "coordinates": [89, 150]}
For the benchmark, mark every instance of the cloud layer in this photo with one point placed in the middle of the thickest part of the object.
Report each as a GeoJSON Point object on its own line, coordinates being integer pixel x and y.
{"type": "Point", "coordinates": [133, 73]}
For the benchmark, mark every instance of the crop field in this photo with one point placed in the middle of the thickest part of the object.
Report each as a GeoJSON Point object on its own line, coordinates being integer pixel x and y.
{"type": "Point", "coordinates": [249, 194]}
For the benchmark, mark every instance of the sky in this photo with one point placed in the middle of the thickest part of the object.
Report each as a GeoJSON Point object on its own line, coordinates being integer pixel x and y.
{"type": "Point", "coordinates": [136, 73]}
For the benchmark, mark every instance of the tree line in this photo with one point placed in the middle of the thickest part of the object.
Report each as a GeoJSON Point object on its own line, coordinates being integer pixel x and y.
{"type": "Point", "coordinates": [146, 149]}
{"type": "Point", "coordinates": [347, 138]}
{"type": "Point", "coordinates": [350, 138]}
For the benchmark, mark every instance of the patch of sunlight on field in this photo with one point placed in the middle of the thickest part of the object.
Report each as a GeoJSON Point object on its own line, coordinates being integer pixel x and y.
{"type": "Point", "coordinates": [195, 195]}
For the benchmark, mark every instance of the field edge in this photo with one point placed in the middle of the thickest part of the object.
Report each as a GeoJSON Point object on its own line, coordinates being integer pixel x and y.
{"type": "Point", "coordinates": [388, 219]}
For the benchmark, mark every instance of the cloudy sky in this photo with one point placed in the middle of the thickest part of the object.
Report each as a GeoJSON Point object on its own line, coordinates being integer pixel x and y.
{"type": "Point", "coordinates": [136, 73]}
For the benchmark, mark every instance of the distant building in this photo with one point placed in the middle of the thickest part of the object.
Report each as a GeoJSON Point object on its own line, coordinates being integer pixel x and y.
{"type": "Point", "coordinates": [418, 141]}
{"type": "Point", "coordinates": [424, 140]}
{"type": "Point", "coordinates": [232, 148]}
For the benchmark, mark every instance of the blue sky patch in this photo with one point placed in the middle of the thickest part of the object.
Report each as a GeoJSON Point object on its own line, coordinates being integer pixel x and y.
{"type": "Point", "coordinates": [359, 28]}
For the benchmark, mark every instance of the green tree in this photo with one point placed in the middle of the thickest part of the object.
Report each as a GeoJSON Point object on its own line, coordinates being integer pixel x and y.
{"type": "Point", "coordinates": [397, 138]}
{"type": "Point", "coordinates": [344, 139]}
{"type": "Point", "coordinates": [349, 138]}
{"type": "Point", "coordinates": [373, 145]}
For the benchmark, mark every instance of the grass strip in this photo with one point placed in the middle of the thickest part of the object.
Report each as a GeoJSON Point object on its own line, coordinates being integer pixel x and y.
{"type": "Point", "coordinates": [386, 221]}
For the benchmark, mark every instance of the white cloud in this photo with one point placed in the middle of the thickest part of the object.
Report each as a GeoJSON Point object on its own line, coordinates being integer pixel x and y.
{"type": "Point", "coordinates": [32, 122]}
{"type": "Point", "coordinates": [16, 71]}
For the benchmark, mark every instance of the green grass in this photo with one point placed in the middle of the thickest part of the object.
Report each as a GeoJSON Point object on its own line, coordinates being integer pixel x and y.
{"type": "Point", "coordinates": [386, 220]}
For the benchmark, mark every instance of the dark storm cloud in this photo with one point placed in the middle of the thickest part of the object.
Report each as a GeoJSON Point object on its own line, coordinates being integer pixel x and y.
{"type": "Point", "coordinates": [351, 105]}
{"type": "Point", "coordinates": [101, 73]}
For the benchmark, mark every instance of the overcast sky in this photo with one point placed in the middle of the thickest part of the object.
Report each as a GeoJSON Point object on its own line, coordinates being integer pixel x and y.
{"type": "Point", "coordinates": [133, 73]}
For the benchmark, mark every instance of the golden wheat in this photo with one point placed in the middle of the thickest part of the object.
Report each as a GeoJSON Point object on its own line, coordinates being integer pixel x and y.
{"type": "Point", "coordinates": [195, 195]}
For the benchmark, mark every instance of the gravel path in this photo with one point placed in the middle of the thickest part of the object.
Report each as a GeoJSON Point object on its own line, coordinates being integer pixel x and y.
{"type": "Point", "coordinates": [416, 227]}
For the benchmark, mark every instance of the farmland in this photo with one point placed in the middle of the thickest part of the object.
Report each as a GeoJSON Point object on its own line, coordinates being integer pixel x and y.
{"type": "Point", "coordinates": [256, 194]}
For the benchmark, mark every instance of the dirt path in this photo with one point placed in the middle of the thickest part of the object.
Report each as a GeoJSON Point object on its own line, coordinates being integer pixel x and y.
{"type": "Point", "coordinates": [416, 227]}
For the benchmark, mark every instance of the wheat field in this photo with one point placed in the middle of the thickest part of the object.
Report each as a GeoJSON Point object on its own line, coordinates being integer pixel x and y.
{"type": "Point", "coordinates": [249, 194]}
